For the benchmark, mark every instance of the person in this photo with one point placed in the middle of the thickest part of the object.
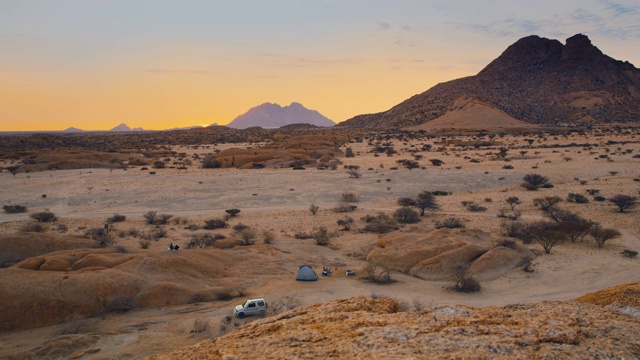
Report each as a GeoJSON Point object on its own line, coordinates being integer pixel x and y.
{"type": "Point", "coordinates": [171, 247]}
{"type": "Point", "coordinates": [176, 247]}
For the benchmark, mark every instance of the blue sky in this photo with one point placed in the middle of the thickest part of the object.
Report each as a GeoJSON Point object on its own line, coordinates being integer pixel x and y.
{"type": "Point", "coordinates": [160, 64]}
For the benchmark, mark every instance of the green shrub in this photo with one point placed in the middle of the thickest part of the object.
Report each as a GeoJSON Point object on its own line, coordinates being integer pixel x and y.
{"type": "Point", "coordinates": [406, 215]}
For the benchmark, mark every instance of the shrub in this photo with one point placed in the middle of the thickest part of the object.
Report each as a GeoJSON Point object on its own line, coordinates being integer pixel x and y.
{"type": "Point", "coordinates": [43, 216]}
{"type": "Point", "coordinates": [116, 218]}
{"type": "Point", "coordinates": [313, 209]}
{"type": "Point", "coordinates": [102, 236]}
{"type": "Point", "coordinates": [33, 227]}
{"type": "Point", "coordinates": [200, 324]}
{"type": "Point", "coordinates": [349, 197]}
{"type": "Point", "coordinates": [623, 202]}
{"type": "Point", "coordinates": [345, 208]}
{"type": "Point", "coordinates": [473, 207]}
{"type": "Point", "coordinates": [602, 235]}
{"type": "Point", "coordinates": [144, 244]}
{"type": "Point", "coordinates": [213, 224]}
{"type": "Point", "coordinates": [450, 223]}
{"type": "Point", "coordinates": [268, 237]}
{"type": "Point", "coordinates": [322, 236]}
{"type": "Point", "coordinates": [436, 162]}
{"type": "Point", "coordinates": [516, 230]}
{"type": "Point", "coordinates": [629, 253]}
{"type": "Point", "coordinates": [534, 181]}
{"type": "Point", "coordinates": [150, 217]}
{"type": "Point", "coordinates": [210, 162]}
{"type": "Point", "coordinates": [14, 209]}
{"type": "Point", "coordinates": [378, 274]}
{"type": "Point", "coordinates": [302, 235]}
{"type": "Point", "coordinates": [247, 236]}
{"type": "Point", "coordinates": [240, 227]}
{"type": "Point", "coordinates": [439, 193]}
{"type": "Point", "coordinates": [203, 240]}
{"type": "Point", "coordinates": [379, 224]}
{"type": "Point", "coordinates": [575, 229]}
{"type": "Point", "coordinates": [599, 198]}
{"type": "Point", "coordinates": [345, 223]}
{"type": "Point", "coordinates": [577, 198]}
{"type": "Point", "coordinates": [406, 215]}
{"type": "Point", "coordinates": [354, 174]}
{"type": "Point", "coordinates": [465, 282]}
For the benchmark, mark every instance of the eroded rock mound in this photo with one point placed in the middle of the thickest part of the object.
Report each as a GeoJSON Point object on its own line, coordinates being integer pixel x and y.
{"type": "Point", "coordinates": [365, 328]}
{"type": "Point", "coordinates": [434, 255]}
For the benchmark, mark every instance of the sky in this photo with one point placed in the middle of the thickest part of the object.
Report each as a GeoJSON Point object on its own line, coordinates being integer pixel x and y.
{"type": "Point", "coordinates": [159, 64]}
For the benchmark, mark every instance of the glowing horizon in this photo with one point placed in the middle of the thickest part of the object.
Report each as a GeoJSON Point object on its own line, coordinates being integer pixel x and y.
{"type": "Point", "coordinates": [94, 64]}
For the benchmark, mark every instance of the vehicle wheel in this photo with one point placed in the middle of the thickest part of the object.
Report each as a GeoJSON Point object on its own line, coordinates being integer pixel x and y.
{"type": "Point", "coordinates": [241, 315]}
{"type": "Point", "coordinates": [262, 313]}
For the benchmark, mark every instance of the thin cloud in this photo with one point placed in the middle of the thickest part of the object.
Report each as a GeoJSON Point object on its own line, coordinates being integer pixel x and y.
{"type": "Point", "coordinates": [384, 26]}
{"type": "Point", "coordinates": [618, 9]}
{"type": "Point", "coordinates": [174, 71]}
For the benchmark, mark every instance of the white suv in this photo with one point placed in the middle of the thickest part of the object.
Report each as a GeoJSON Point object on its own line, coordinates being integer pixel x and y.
{"type": "Point", "coordinates": [251, 307]}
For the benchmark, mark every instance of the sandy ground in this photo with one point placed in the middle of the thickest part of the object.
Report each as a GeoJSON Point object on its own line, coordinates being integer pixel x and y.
{"type": "Point", "coordinates": [278, 200]}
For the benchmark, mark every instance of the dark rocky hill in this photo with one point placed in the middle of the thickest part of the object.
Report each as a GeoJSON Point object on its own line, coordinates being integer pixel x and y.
{"type": "Point", "coordinates": [537, 80]}
{"type": "Point", "coordinates": [270, 115]}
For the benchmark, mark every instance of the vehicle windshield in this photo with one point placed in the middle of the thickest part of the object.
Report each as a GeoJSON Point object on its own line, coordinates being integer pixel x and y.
{"type": "Point", "coordinates": [246, 304]}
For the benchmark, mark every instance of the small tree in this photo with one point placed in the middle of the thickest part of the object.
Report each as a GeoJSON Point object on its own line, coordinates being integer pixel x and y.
{"type": "Point", "coordinates": [322, 236]}
{"type": "Point", "coordinates": [547, 234]}
{"type": "Point", "coordinates": [379, 224]}
{"type": "Point", "coordinates": [247, 236]}
{"type": "Point", "coordinates": [513, 201]}
{"type": "Point", "coordinates": [547, 203]}
{"type": "Point", "coordinates": [213, 224]}
{"type": "Point", "coordinates": [232, 212]}
{"type": "Point", "coordinates": [150, 217]}
{"type": "Point", "coordinates": [406, 201]}
{"type": "Point", "coordinates": [602, 235]}
{"type": "Point", "coordinates": [426, 201]}
{"type": "Point", "coordinates": [623, 202]}
{"type": "Point", "coordinates": [13, 170]}
{"type": "Point", "coordinates": [313, 209]}
{"type": "Point", "coordinates": [43, 216]}
{"type": "Point", "coordinates": [464, 281]}
{"type": "Point", "coordinates": [406, 215]}
{"type": "Point", "coordinates": [349, 197]}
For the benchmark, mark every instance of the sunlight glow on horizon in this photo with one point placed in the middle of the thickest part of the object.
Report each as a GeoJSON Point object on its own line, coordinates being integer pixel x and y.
{"type": "Point", "coordinates": [171, 64]}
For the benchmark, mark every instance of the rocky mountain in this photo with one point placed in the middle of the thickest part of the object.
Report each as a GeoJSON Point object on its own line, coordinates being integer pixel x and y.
{"type": "Point", "coordinates": [367, 328]}
{"type": "Point", "coordinates": [124, 127]}
{"type": "Point", "coordinates": [536, 80]}
{"type": "Point", "coordinates": [72, 130]}
{"type": "Point", "coordinates": [270, 115]}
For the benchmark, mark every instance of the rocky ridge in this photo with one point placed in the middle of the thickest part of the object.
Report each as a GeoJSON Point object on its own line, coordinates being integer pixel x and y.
{"type": "Point", "coordinates": [270, 115]}
{"type": "Point", "coordinates": [364, 328]}
{"type": "Point", "coordinates": [537, 80]}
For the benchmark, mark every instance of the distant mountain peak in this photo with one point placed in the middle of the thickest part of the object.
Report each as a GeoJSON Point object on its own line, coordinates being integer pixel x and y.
{"type": "Point", "coordinates": [123, 127]}
{"type": "Point", "coordinates": [272, 115]}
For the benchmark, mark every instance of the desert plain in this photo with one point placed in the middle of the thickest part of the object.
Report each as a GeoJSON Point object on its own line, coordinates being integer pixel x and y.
{"type": "Point", "coordinates": [66, 294]}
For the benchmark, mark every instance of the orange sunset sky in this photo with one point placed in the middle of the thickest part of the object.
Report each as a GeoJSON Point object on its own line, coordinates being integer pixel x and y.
{"type": "Point", "coordinates": [158, 64]}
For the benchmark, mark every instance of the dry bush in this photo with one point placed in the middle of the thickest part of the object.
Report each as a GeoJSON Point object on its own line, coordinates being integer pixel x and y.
{"type": "Point", "coordinates": [200, 325]}
{"type": "Point", "coordinates": [623, 202]}
{"type": "Point", "coordinates": [465, 282]}
{"type": "Point", "coordinates": [101, 236]}
{"type": "Point", "coordinates": [313, 209]}
{"type": "Point", "coordinates": [133, 232]}
{"type": "Point", "coordinates": [301, 235]}
{"type": "Point", "coordinates": [116, 218]}
{"type": "Point", "coordinates": [546, 234]}
{"type": "Point", "coordinates": [378, 274]}
{"type": "Point", "coordinates": [349, 197]}
{"type": "Point", "coordinates": [379, 224]}
{"type": "Point", "coordinates": [268, 237]}
{"type": "Point", "coordinates": [247, 236]}
{"type": "Point", "coordinates": [547, 203]}
{"type": "Point", "coordinates": [33, 227]}
{"type": "Point", "coordinates": [14, 209]}
{"type": "Point", "coordinates": [44, 216]}
{"type": "Point", "coordinates": [577, 198]}
{"type": "Point", "coordinates": [322, 236]}
{"type": "Point", "coordinates": [213, 224]}
{"type": "Point", "coordinates": [344, 208]}
{"type": "Point", "coordinates": [406, 215]}
{"type": "Point", "coordinates": [153, 218]}
{"type": "Point", "coordinates": [203, 240]}
{"type": "Point", "coordinates": [144, 244]}
{"type": "Point", "coordinates": [449, 223]}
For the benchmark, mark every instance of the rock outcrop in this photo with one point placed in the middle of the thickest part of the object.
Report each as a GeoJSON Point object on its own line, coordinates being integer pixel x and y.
{"type": "Point", "coordinates": [435, 255]}
{"type": "Point", "coordinates": [536, 80]}
{"type": "Point", "coordinates": [365, 328]}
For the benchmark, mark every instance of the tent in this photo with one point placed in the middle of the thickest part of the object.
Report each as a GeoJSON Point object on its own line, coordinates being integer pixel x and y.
{"type": "Point", "coordinates": [306, 273]}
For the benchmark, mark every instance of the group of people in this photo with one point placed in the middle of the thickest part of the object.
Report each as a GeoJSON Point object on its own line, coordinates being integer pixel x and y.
{"type": "Point", "coordinates": [173, 247]}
